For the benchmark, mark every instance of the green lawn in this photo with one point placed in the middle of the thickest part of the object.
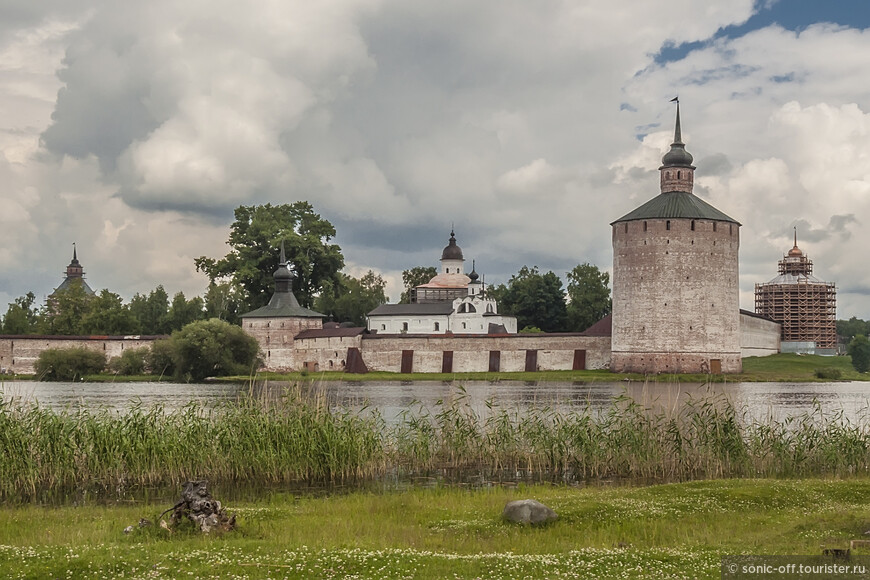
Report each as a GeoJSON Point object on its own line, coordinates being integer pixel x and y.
{"type": "Point", "coordinates": [662, 531]}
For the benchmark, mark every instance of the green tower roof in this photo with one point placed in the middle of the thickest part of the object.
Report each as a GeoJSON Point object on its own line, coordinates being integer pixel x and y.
{"type": "Point", "coordinates": [676, 205]}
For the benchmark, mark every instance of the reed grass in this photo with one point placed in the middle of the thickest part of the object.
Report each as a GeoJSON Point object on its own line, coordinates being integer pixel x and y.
{"type": "Point", "coordinates": [298, 438]}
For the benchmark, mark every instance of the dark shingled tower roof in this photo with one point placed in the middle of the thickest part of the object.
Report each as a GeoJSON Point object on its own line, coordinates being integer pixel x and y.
{"type": "Point", "coordinates": [675, 205]}
{"type": "Point", "coordinates": [283, 303]}
{"type": "Point", "coordinates": [74, 275]}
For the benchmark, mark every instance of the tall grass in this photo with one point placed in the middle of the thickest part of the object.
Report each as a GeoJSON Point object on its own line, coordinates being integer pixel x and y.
{"type": "Point", "coordinates": [297, 438]}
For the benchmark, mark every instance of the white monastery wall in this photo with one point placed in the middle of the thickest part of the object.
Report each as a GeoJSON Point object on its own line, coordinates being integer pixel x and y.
{"type": "Point", "coordinates": [475, 353]}
{"type": "Point", "coordinates": [758, 336]}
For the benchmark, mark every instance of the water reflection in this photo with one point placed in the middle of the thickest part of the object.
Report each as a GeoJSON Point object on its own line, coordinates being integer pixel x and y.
{"type": "Point", "coordinates": [761, 401]}
{"type": "Point", "coordinates": [117, 396]}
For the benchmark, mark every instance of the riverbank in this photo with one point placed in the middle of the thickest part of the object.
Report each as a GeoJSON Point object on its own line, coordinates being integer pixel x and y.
{"type": "Point", "coordinates": [784, 367]}
{"type": "Point", "coordinates": [664, 531]}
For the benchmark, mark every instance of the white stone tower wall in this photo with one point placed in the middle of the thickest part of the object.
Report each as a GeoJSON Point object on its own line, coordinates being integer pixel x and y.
{"type": "Point", "coordinates": [675, 296]}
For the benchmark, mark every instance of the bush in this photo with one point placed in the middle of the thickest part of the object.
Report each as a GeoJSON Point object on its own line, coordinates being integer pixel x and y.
{"type": "Point", "coordinates": [829, 373]}
{"type": "Point", "coordinates": [161, 359]}
{"type": "Point", "coordinates": [69, 364]}
{"type": "Point", "coordinates": [213, 348]}
{"type": "Point", "coordinates": [131, 362]}
{"type": "Point", "coordinates": [859, 350]}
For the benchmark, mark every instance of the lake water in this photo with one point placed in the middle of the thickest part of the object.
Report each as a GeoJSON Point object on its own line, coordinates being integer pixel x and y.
{"type": "Point", "coordinates": [391, 399]}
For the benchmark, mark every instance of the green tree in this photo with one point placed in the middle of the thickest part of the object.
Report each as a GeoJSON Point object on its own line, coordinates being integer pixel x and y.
{"type": "Point", "coordinates": [152, 311]}
{"type": "Point", "coordinates": [68, 364]}
{"type": "Point", "coordinates": [107, 314]}
{"type": "Point", "coordinates": [352, 298]}
{"type": "Point", "coordinates": [859, 350]}
{"type": "Point", "coordinates": [213, 348]}
{"type": "Point", "coordinates": [223, 301]}
{"type": "Point", "coordinates": [182, 311]}
{"type": "Point", "coordinates": [64, 311]}
{"type": "Point", "coordinates": [537, 300]}
{"type": "Point", "coordinates": [22, 316]}
{"type": "Point", "coordinates": [255, 237]}
{"type": "Point", "coordinates": [849, 329]}
{"type": "Point", "coordinates": [131, 362]}
{"type": "Point", "coordinates": [161, 357]}
{"type": "Point", "coordinates": [588, 296]}
{"type": "Point", "coordinates": [413, 278]}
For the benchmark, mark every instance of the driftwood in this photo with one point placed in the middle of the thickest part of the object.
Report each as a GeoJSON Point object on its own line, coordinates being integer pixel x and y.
{"type": "Point", "coordinates": [198, 506]}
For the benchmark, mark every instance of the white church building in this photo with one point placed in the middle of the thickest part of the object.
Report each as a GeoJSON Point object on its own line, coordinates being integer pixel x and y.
{"type": "Point", "coordinates": [451, 302]}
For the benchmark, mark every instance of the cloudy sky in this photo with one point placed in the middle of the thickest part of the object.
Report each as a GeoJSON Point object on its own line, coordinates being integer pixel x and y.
{"type": "Point", "coordinates": [135, 128]}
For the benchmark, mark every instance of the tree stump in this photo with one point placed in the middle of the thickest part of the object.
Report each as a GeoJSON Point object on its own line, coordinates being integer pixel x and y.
{"type": "Point", "coordinates": [198, 506]}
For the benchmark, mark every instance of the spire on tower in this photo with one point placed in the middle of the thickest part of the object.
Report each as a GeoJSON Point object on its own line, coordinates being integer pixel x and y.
{"type": "Point", "coordinates": [678, 137]}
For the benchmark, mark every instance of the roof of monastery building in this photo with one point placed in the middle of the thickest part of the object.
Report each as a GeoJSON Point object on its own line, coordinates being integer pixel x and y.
{"type": "Point", "coordinates": [445, 307]}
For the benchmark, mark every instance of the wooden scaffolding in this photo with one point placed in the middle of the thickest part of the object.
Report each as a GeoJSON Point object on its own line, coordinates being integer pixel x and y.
{"type": "Point", "coordinates": [804, 306]}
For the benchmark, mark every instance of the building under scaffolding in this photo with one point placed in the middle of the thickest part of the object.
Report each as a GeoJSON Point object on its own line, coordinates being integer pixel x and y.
{"type": "Point", "coordinates": [805, 306]}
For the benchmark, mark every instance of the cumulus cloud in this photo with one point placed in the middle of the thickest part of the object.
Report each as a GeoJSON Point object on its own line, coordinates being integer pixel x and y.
{"type": "Point", "coordinates": [528, 126]}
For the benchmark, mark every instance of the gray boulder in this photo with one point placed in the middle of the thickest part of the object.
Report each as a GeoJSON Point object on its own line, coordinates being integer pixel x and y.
{"type": "Point", "coordinates": [528, 511]}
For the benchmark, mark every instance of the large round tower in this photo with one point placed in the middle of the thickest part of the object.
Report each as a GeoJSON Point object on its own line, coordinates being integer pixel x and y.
{"type": "Point", "coordinates": [676, 302]}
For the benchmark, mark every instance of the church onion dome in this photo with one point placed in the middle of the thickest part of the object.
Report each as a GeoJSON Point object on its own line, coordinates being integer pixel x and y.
{"type": "Point", "coordinates": [677, 156]}
{"type": "Point", "coordinates": [283, 273]}
{"type": "Point", "coordinates": [452, 251]}
{"type": "Point", "coordinates": [473, 276]}
{"type": "Point", "coordinates": [795, 252]}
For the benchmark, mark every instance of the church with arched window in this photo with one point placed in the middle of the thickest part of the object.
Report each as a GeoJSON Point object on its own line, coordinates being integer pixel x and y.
{"type": "Point", "coordinates": [451, 302]}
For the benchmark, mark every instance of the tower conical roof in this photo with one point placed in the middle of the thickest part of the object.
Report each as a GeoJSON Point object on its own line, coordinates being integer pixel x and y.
{"type": "Point", "coordinates": [283, 303]}
{"type": "Point", "coordinates": [677, 156]}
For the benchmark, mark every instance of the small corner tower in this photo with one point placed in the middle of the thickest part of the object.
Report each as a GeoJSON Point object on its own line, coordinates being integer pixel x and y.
{"type": "Point", "coordinates": [276, 324]}
{"type": "Point", "coordinates": [75, 274]}
{"type": "Point", "coordinates": [675, 279]}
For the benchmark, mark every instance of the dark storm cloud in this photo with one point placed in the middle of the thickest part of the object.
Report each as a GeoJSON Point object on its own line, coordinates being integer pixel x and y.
{"type": "Point", "coordinates": [837, 225]}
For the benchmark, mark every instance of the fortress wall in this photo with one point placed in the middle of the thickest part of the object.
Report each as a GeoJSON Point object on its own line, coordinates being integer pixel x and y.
{"type": "Point", "coordinates": [474, 353]}
{"type": "Point", "coordinates": [758, 336]}
{"type": "Point", "coordinates": [19, 353]}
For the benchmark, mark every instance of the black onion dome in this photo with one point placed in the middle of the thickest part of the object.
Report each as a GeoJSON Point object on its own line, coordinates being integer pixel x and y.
{"type": "Point", "coordinates": [283, 273]}
{"type": "Point", "coordinates": [452, 251]}
{"type": "Point", "coordinates": [473, 275]}
{"type": "Point", "coordinates": [677, 156]}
